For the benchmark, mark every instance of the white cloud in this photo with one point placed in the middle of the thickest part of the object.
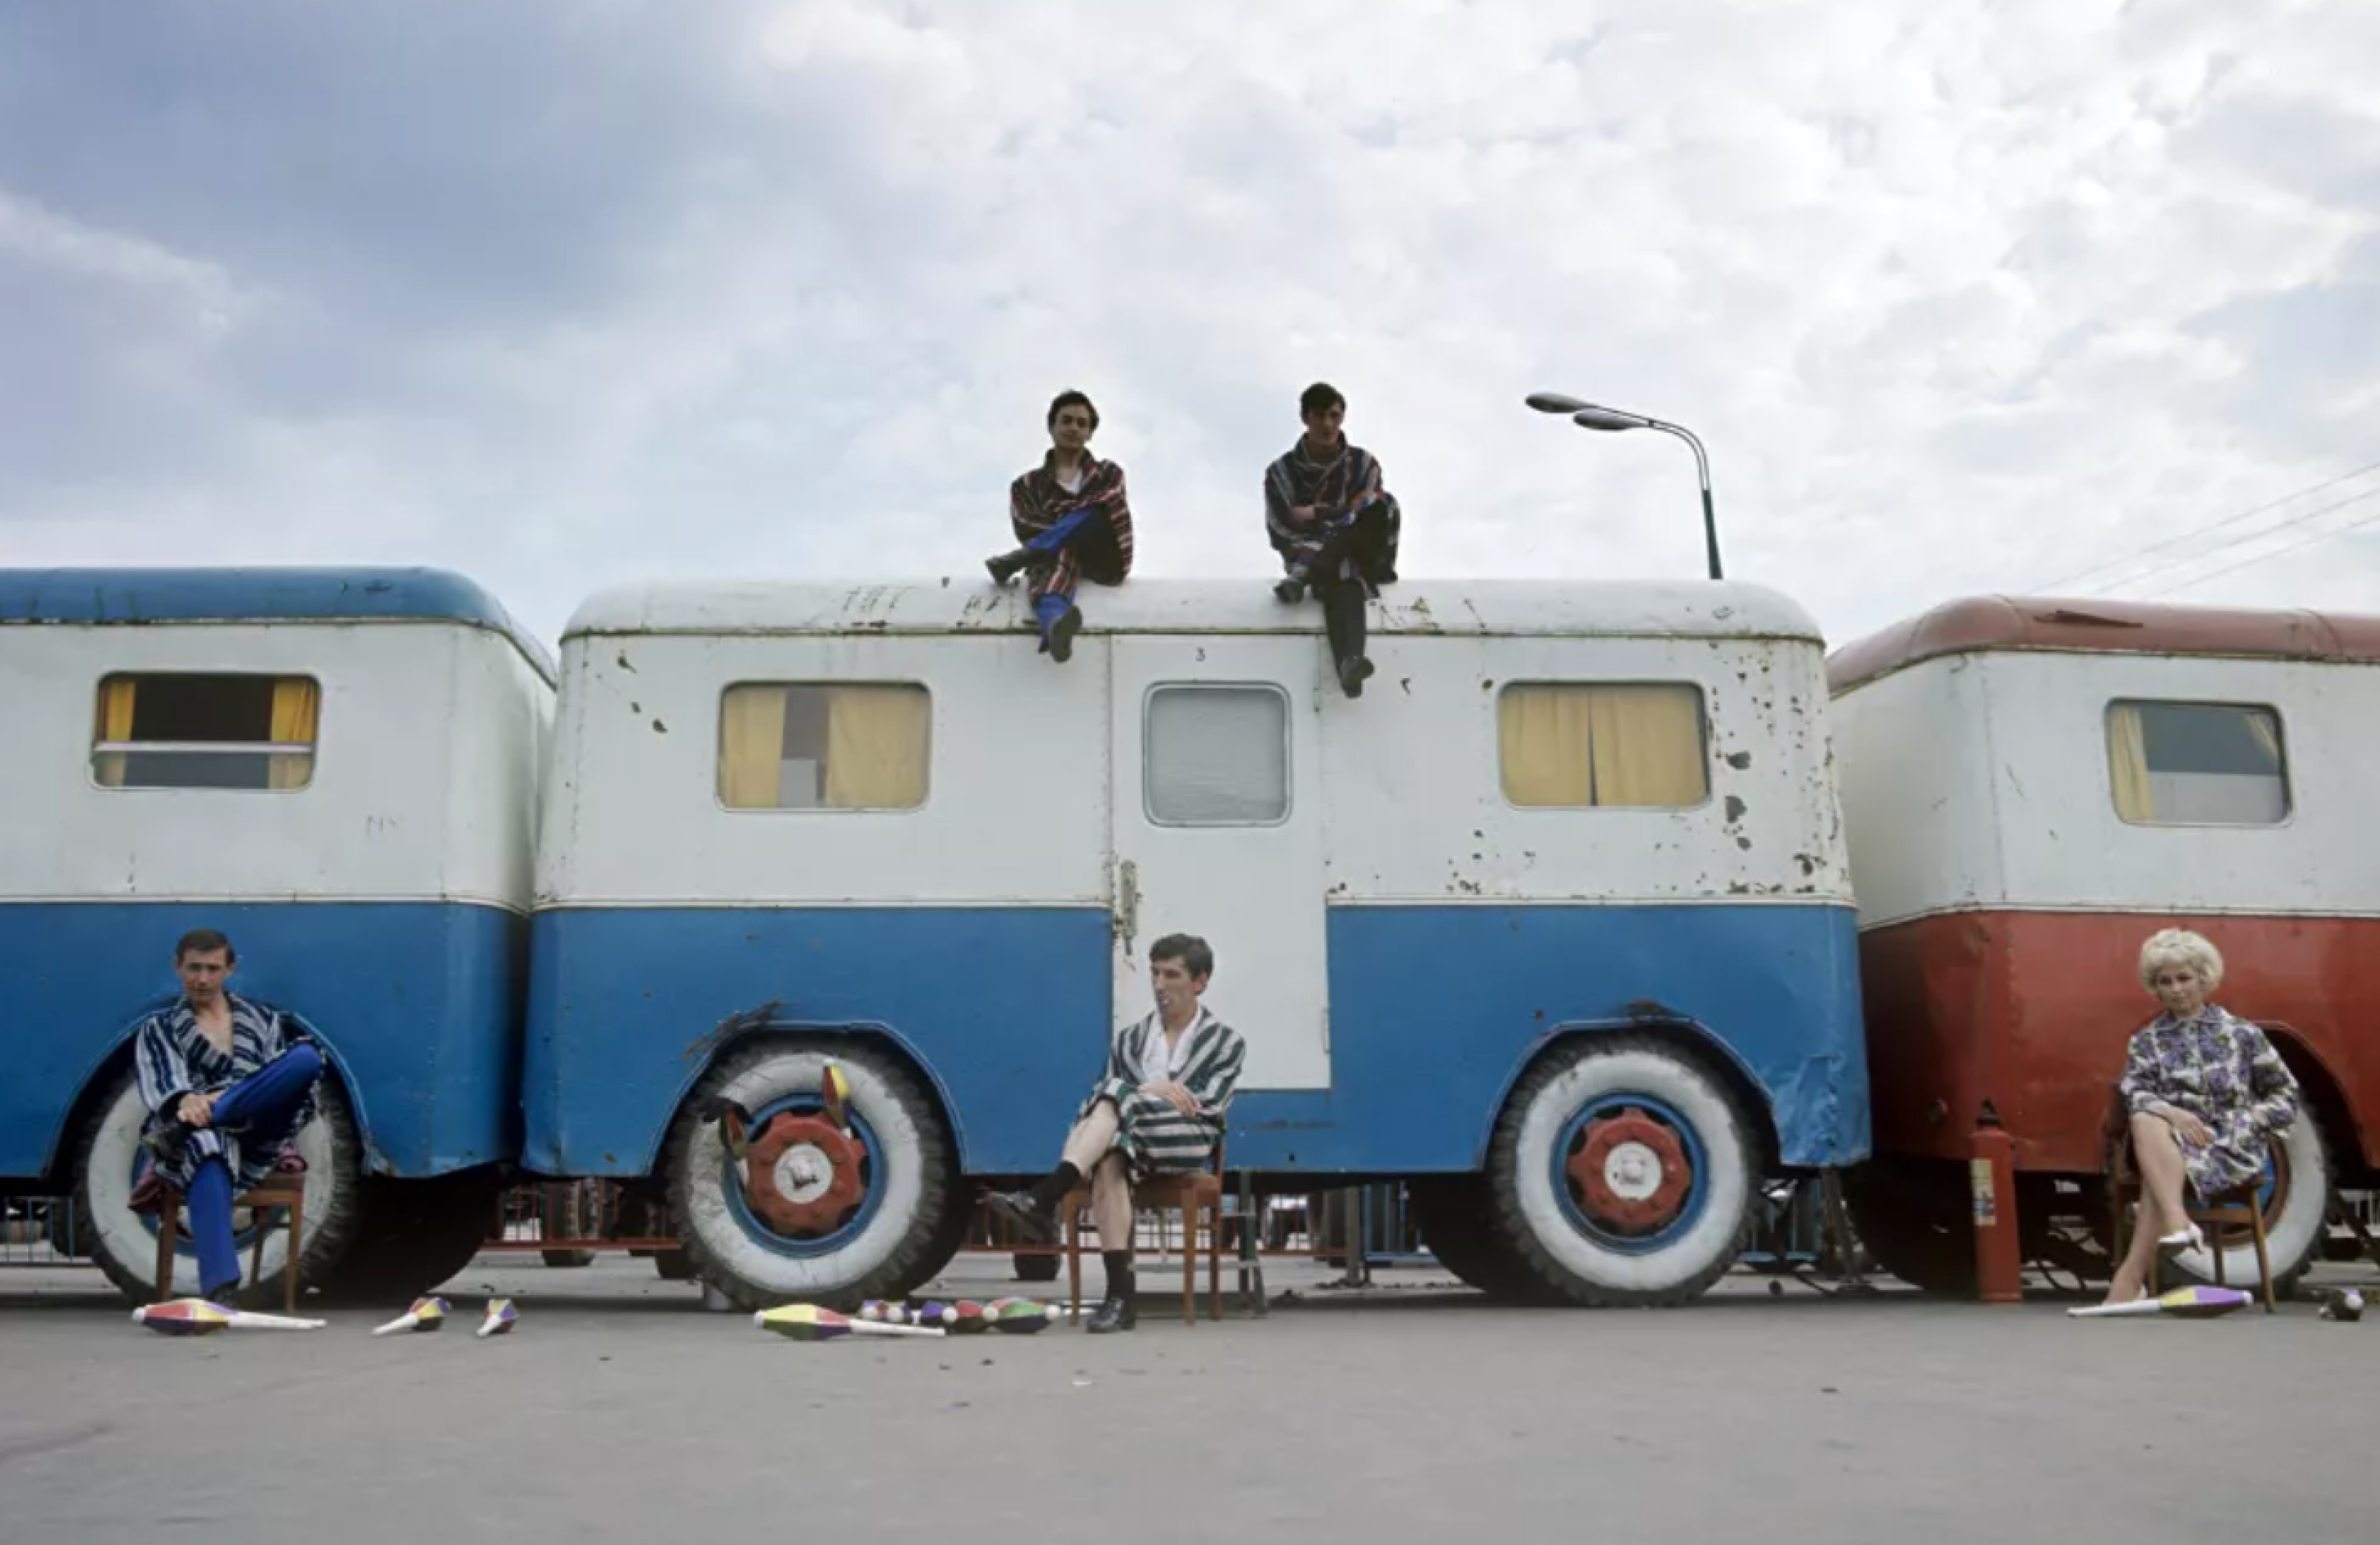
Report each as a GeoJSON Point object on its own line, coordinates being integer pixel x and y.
{"type": "Point", "coordinates": [1963, 298]}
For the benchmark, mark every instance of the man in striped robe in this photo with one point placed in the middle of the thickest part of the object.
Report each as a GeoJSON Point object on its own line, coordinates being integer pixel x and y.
{"type": "Point", "coordinates": [1335, 529]}
{"type": "Point", "coordinates": [227, 1094]}
{"type": "Point", "coordinates": [1159, 1110]}
{"type": "Point", "coordinates": [1073, 521]}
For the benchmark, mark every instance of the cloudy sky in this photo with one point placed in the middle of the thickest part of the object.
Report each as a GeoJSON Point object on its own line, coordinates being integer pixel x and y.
{"type": "Point", "coordinates": [564, 292]}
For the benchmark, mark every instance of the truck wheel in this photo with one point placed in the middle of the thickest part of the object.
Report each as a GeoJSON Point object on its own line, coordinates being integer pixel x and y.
{"type": "Point", "coordinates": [1623, 1173]}
{"type": "Point", "coordinates": [415, 1236]}
{"type": "Point", "coordinates": [819, 1215]}
{"type": "Point", "coordinates": [108, 1158]}
{"type": "Point", "coordinates": [2295, 1200]}
{"type": "Point", "coordinates": [1458, 1226]}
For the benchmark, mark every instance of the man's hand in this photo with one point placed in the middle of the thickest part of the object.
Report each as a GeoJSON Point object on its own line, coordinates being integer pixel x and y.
{"type": "Point", "coordinates": [1301, 514]}
{"type": "Point", "coordinates": [1175, 1096]}
{"type": "Point", "coordinates": [197, 1109]}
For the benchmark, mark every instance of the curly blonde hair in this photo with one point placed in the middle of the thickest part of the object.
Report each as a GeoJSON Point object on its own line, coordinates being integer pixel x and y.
{"type": "Point", "coordinates": [2179, 946]}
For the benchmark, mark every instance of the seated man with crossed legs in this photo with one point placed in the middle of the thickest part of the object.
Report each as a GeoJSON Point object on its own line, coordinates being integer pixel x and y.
{"type": "Point", "coordinates": [1159, 1111]}
{"type": "Point", "coordinates": [1335, 529]}
{"type": "Point", "coordinates": [1074, 521]}
{"type": "Point", "coordinates": [227, 1095]}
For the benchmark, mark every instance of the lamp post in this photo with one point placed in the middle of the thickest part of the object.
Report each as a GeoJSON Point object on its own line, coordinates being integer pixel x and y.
{"type": "Point", "coordinates": [1587, 416]}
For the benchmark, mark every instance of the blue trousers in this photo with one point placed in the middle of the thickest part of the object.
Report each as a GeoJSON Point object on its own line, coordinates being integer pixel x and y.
{"type": "Point", "coordinates": [257, 1109]}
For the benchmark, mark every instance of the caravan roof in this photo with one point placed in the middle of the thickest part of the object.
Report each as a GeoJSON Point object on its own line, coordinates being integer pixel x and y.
{"type": "Point", "coordinates": [1602, 607]}
{"type": "Point", "coordinates": [108, 597]}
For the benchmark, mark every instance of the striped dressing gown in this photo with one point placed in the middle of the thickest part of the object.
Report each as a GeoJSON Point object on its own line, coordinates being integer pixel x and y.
{"type": "Point", "coordinates": [1037, 502]}
{"type": "Point", "coordinates": [173, 1057]}
{"type": "Point", "coordinates": [1156, 1139]}
{"type": "Point", "coordinates": [2222, 1070]}
{"type": "Point", "coordinates": [1335, 482]}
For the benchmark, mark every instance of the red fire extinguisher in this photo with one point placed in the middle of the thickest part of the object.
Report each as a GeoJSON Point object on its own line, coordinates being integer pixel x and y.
{"type": "Point", "coordinates": [1999, 1264]}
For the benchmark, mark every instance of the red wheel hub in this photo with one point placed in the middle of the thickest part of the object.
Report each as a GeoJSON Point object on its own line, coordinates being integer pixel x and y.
{"type": "Point", "coordinates": [1630, 1173]}
{"type": "Point", "coordinates": [802, 1176]}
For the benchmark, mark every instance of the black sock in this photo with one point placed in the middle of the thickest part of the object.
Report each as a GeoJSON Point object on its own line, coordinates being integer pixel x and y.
{"type": "Point", "coordinates": [1052, 1188]}
{"type": "Point", "coordinates": [1119, 1264]}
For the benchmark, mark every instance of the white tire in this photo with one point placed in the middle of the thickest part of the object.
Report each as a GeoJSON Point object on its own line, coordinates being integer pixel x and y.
{"type": "Point", "coordinates": [2294, 1236]}
{"type": "Point", "coordinates": [1657, 1222]}
{"type": "Point", "coordinates": [903, 1231]}
{"type": "Point", "coordinates": [124, 1243]}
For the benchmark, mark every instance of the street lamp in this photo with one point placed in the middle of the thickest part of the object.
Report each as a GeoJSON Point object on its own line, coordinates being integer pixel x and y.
{"type": "Point", "coordinates": [1587, 416]}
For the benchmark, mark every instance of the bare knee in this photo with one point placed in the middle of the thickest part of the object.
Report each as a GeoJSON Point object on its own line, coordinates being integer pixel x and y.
{"type": "Point", "coordinates": [2148, 1126]}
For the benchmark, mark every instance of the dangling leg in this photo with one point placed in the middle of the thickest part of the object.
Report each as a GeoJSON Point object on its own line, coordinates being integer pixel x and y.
{"type": "Point", "coordinates": [1111, 1213]}
{"type": "Point", "coordinates": [1035, 1210]}
{"type": "Point", "coordinates": [210, 1200]}
{"type": "Point", "coordinates": [2156, 1148]}
{"type": "Point", "coordinates": [1343, 622]}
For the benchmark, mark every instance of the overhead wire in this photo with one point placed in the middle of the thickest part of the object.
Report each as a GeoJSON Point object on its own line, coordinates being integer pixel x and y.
{"type": "Point", "coordinates": [2197, 532]}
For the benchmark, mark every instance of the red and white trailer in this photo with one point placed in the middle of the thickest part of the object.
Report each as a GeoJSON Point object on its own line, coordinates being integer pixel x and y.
{"type": "Point", "coordinates": [2031, 787]}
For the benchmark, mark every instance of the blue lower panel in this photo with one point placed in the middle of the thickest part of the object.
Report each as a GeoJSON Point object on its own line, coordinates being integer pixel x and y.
{"type": "Point", "coordinates": [418, 1004]}
{"type": "Point", "coordinates": [1005, 1008]}
{"type": "Point", "coordinates": [1435, 1010]}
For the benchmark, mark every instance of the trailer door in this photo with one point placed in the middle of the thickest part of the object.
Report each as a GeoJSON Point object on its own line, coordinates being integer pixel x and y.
{"type": "Point", "coordinates": [1219, 833]}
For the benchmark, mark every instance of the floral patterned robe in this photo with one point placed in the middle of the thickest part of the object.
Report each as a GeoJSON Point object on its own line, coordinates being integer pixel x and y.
{"type": "Point", "coordinates": [2222, 1070]}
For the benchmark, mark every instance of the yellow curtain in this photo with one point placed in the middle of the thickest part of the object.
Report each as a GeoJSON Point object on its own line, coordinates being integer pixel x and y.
{"type": "Point", "coordinates": [296, 720]}
{"type": "Point", "coordinates": [1646, 744]}
{"type": "Point", "coordinates": [751, 747]}
{"type": "Point", "coordinates": [2128, 763]}
{"type": "Point", "coordinates": [877, 745]}
{"type": "Point", "coordinates": [1542, 737]}
{"type": "Point", "coordinates": [115, 699]}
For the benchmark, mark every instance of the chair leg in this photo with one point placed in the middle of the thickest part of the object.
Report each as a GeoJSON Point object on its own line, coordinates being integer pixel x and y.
{"type": "Point", "coordinates": [1190, 1263]}
{"type": "Point", "coordinates": [1215, 1260]}
{"type": "Point", "coordinates": [2263, 1261]}
{"type": "Point", "coordinates": [2218, 1252]}
{"type": "Point", "coordinates": [168, 1216]}
{"type": "Point", "coordinates": [1073, 1261]}
{"type": "Point", "coordinates": [297, 1253]}
{"type": "Point", "coordinates": [256, 1255]}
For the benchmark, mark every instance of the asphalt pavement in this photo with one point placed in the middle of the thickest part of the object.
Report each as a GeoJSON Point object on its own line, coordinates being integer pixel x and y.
{"type": "Point", "coordinates": [619, 1409]}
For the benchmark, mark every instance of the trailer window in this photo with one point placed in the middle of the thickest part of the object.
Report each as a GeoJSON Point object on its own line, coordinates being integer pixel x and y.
{"type": "Point", "coordinates": [1578, 744]}
{"type": "Point", "coordinates": [203, 730]}
{"type": "Point", "coordinates": [2196, 764]}
{"type": "Point", "coordinates": [820, 746]}
{"type": "Point", "coordinates": [1216, 756]}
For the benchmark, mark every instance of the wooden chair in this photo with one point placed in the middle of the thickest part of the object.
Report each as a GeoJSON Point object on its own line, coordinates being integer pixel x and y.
{"type": "Point", "coordinates": [1193, 1195]}
{"type": "Point", "coordinates": [283, 1190]}
{"type": "Point", "coordinates": [2237, 1206]}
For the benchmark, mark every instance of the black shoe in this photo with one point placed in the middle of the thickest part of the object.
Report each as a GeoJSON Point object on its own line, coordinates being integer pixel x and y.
{"type": "Point", "coordinates": [1351, 674]}
{"type": "Point", "coordinates": [167, 1142]}
{"type": "Point", "coordinates": [1062, 635]}
{"type": "Point", "coordinates": [1290, 591]}
{"type": "Point", "coordinates": [226, 1298]}
{"type": "Point", "coordinates": [1008, 565]}
{"type": "Point", "coordinates": [1114, 1313]}
{"type": "Point", "coordinates": [1038, 1224]}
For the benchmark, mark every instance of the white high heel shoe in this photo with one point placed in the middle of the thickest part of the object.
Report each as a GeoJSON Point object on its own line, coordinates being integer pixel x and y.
{"type": "Point", "coordinates": [2189, 1239]}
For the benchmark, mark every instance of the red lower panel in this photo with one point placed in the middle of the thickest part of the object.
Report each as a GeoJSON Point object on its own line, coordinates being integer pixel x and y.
{"type": "Point", "coordinates": [2032, 1011]}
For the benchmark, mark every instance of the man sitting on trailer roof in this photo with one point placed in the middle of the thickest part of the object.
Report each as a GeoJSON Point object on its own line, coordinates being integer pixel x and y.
{"type": "Point", "coordinates": [1335, 529]}
{"type": "Point", "coordinates": [1072, 517]}
{"type": "Point", "coordinates": [1159, 1111]}
{"type": "Point", "coordinates": [227, 1095]}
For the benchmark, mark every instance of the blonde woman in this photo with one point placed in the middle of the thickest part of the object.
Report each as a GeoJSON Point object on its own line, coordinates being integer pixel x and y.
{"type": "Point", "coordinates": [2206, 1093]}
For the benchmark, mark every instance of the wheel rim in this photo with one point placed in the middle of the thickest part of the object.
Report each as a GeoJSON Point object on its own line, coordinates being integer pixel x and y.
{"type": "Point", "coordinates": [1632, 1173]}
{"type": "Point", "coordinates": [808, 1188]}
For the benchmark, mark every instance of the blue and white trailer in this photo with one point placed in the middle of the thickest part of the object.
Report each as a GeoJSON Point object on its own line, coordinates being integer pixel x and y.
{"type": "Point", "coordinates": [336, 768]}
{"type": "Point", "coordinates": [1554, 923]}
